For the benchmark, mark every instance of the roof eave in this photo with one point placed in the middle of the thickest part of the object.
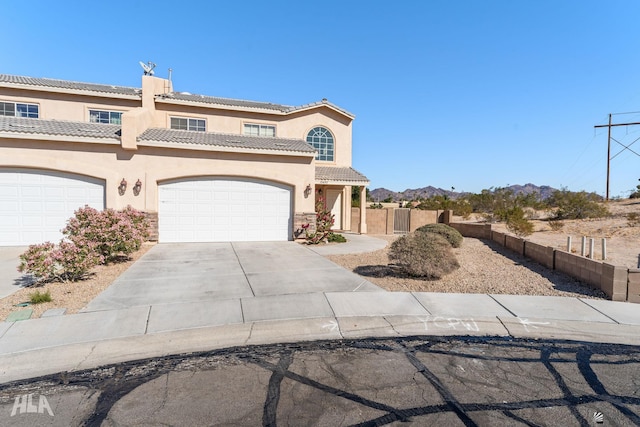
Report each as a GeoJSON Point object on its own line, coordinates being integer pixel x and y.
{"type": "Point", "coordinates": [58, 138]}
{"type": "Point", "coordinates": [70, 91]}
{"type": "Point", "coordinates": [218, 106]}
{"type": "Point", "coordinates": [223, 148]}
{"type": "Point", "coordinates": [324, 104]}
{"type": "Point", "coordinates": [342, 182]}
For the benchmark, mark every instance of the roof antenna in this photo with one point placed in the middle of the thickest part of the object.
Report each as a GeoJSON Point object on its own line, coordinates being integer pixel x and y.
{"type": "Point", "coordinates": [148, 68]}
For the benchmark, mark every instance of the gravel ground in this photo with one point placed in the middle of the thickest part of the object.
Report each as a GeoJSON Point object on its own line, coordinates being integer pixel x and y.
{"type": "Point", "coordinates": [70, 295]}
{"type": "Point", "coordinates": [485, 267]}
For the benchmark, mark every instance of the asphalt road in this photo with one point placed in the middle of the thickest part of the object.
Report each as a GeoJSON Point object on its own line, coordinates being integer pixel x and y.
{"type": "Point", "coordinates": [452, 381]}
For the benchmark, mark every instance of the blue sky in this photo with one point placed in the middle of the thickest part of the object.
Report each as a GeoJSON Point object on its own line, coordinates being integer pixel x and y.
{"type": "Point", "coordinates": [452, 93]}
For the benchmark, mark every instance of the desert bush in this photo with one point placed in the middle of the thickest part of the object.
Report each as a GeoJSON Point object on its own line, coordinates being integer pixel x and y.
{"type": "Point", "coordinates": [426, 255]}
{"type": "Point", "coordinates": [38, 297]}
{"type": "Point", "coordinates": [517, 223]}
{"type": "Point", "coordinates": [114, 232]}
{"type": "Point", "coordinates": [555, 224]}
{"type": "Point", "coordinates": [577, 205]}
{"type": "Point", "coordinates": [521, 227]}
{"type": "Point", "coordinates": [633, 219]}
{"type": "Point", "coordinates": [452, 235]}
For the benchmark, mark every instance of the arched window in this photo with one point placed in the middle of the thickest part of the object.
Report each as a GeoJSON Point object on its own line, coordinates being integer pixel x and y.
{"type": "Point", "coordinates": [321, 139]}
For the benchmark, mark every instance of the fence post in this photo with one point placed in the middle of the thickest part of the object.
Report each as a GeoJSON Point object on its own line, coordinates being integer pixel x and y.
{"type": "Point", "coordinates": [569, 244]}
{"type": "Point", "coordinates": [591, 247]}
{"type": "Point", "coordinates": [583, 247]}
{"type": "Point", "coordinates": [604, 248]}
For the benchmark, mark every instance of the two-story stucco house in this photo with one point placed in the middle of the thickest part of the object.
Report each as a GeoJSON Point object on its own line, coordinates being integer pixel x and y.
{"type": "Point", "coordinates": [208, 169]}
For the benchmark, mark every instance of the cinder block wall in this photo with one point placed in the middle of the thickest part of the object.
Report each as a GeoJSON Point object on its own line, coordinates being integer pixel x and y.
{"type": "Point", "coordinates": [418, 218]}
{"type": "Point", "coordinates": [498, 237]}
{"type": "Point", "coordinates": [541, 254]}
{"type": "Point", "coordinates": [516, 244]}
{"type": "Point", "coordinates": [376, 221]}
{"type": "Point", "coordinates": [633, 291]}
{"type": "Point", "coordinates": [477, 231]}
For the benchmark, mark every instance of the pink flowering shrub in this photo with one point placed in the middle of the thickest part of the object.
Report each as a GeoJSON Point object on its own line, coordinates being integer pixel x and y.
{"type": "Point", "coordinates": [38, 261]}
{"type": "Point", "coordinates": [114, 232]}
{"type": "Point", "coordinates": [92, 237]}
{"type": "Point", "coordinates": [324, 222]}
{"type": "Point", "coordinates": [67, 261]}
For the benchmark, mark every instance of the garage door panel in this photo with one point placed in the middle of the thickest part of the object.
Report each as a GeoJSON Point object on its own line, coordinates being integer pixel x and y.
{"type": "Point", "coordinates": [224, 210]}
{"type": "Point", "coordinates": [35, 204]}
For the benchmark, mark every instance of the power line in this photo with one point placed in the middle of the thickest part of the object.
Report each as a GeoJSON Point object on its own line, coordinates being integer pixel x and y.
{"type": "Point", "coordinates": [626, 147]}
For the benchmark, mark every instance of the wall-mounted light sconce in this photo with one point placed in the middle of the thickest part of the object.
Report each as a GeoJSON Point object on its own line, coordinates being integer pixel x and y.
{"type": "Point", "coordinates": [122, 187]}
{"type": "Point", "coordinates": [307, 190]}
{"type": "Point", "coordinates": [137, 187]}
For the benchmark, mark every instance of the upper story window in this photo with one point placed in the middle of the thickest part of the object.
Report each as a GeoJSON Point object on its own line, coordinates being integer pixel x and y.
{"type": "Point", "coordinates": [112, 117]}
{"type": "Point", "coordinates": [259, 130]}
{"type": "Point", "coordinates": [17, 109]}
{"type": "Point", "coordinates": [321, 139]}
{"type": "Point", "coordinates": [184, 123]}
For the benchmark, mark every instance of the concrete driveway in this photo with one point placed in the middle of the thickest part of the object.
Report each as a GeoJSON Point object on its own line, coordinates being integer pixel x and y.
{"type": "Point", "coordinates": [211, 272]}
{"type": "Point", "coordinates": [12, 279]}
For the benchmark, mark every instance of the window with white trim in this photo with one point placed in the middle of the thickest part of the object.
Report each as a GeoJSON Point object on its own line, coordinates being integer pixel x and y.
{"type": "Point", "coordinates": [253, 129]}
{"type": "Point", "coordinates": [112, 117]}
{"type": "Point", "coordinates": [18, 109]}
{"type": "Point", "coordinates": [184, 123]}
{"type": "Point", "coordinates": [321, 139]}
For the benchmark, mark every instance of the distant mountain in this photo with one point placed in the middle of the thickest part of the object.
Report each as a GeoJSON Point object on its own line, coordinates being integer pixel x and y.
{"type": "Point", "coordinates": [380, 194]}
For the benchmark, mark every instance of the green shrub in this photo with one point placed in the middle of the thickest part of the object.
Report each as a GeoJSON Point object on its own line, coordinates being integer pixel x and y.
{"type": "Point", "coordinates": [336, 238]}
{"type": "Point", "coordinates": [452, 235]}
{"type": "Point", "coordinates": [37, 297]}
{"type": "Point", "coordinates": [426, 255]}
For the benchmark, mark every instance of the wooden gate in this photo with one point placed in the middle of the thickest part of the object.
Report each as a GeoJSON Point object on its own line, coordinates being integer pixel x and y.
{"type": "Point", "coordinates": [401, 220]}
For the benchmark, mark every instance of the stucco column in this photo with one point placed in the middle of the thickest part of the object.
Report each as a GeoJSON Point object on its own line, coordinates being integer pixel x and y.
{"type": "Point", "coordinates": [363, 210]}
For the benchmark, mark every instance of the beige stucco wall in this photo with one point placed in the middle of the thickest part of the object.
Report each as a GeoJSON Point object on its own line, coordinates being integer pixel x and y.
{"type": "Point", "coordinates": [69, 107]}
{"type": "Point", "coordinates": [154, 165]}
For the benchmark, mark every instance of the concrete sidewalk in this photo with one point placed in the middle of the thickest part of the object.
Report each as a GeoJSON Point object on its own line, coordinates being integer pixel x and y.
{"type": "Point", "coordinates": [118, 332]}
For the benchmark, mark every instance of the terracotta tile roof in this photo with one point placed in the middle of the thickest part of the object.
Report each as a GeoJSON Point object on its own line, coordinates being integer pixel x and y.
{"type": "Point", "coordinates": [212, 100]}
{"type": "Point", "coordinates": [65, 84]}
{"type": "Point", "coordinates": [58, 127]}
{"type": "Point", "coordinates": [6, 79]}
{"type": "Point", "coordinates": [226, 140]}
{"type": "Point", "coordinates": [329, 174]}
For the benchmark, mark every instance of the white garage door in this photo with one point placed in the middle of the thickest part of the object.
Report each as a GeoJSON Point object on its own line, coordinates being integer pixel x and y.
{"type": "Point", "coordinates": [223, 210]}
{"type": "Point", "coordinates": [35, 205]}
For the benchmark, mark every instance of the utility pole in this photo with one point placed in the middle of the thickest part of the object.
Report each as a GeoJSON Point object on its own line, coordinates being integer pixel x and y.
{"type": "Point", "coordinates": [626, 147]}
